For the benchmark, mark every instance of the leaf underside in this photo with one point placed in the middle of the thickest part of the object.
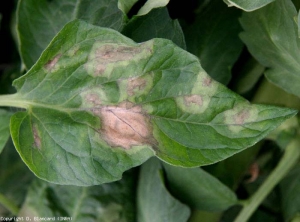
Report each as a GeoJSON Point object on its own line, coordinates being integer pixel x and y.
{"type": "Point", "coordinates": [248, 5]}
{"type": "Point", "coordinates": [99, 104]}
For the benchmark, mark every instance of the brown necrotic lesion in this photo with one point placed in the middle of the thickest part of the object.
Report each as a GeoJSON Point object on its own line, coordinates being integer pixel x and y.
{"type": "Point", "coordinates": [125, 125]}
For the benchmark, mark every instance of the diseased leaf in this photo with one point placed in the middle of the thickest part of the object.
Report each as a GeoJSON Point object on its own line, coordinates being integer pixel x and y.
{"type": "Point", "coordinates": [248, 5]}
{"type": "Point", "coordinates": [149, 27]}
{"type": "Point", "coordinates": [151, 4]}
{"type": "Point", "coordinates": [271, 36]}
{"type": "Point", "coordinates": [154, 201]}
{"type": "Point", "coordinates": [199, 189]}
{"type": "Point", "coordinates": [98, 104]}
{"type": "Point", "coordinates": [39, 21]}
{"type": "Point", "coordinates": [290, 189]}
{"type": "Point", "coordinates": [4, 128]}
{"type": "Point", "coordinates": [213, 37]}
{"type": "Point", "coordinates": [108, 202]}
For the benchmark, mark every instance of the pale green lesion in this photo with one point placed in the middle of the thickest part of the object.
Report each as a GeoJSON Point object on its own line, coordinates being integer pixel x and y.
{"type": "Point", "coordinates": [132, 89]}
{"type": "Point", "coordinates": [240, 115]}
{"type": "Point", "coordinates": [93, 98]}
{"type": "Point", "coordinates": [53, 64]}
{"type": "Point", "coordinates": [198, 101]}
{"type": "Point", "coordinates": [104, 57]}
{"type": "Point", "coordinates": [204, 85]}
{"type": "Point", "coordinates": [74, 50]}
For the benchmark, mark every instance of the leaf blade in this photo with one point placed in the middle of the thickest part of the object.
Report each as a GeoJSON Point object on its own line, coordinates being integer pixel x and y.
{"type": "Point", "coordinates": [275, 50]}
{"type": "Point", "coordinates": [100, 98]}
{"type": "Point", "coordinates": [154, 201]}
{"type": "Point", "coordinates": [199, 189]}
{"type": "Point", "coordinates": [4, 128]}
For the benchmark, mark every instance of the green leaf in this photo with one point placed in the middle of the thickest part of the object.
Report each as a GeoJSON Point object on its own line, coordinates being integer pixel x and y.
{"type": "Point", "coordinates": [151, 4]}
{"type": "Point", "coordinates": [149, 27]}
{"type": "Point", "coordinates": [4, 128]}
{"type": "Point", "coordinates": [199, 189]}
{"type": "Point", "coordinates": [13, 169]}
{"type": "Point", "coordinates": [126, 5]}
{"type": "Point", "coordinates": [290, 190]}
{"type": "Point", "coordinates": [248, 5]}
{"type": "Point", "coordinates": [108, 202]}
{"type": "Point", "coordinates": [39, 21]}
{"type": "Point", "coordinates": [248, 76]}
{"type": "Point", "coordinates": [213, 37]}
{"type": "Point", "coordinates": [275, 46]}
{"type": "Point", "coordinates": [98, 104]}
{"type": "Point", "coordinates": [155, 203]}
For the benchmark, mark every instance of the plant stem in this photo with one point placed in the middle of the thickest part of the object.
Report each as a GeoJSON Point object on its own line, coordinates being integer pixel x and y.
{"type": "Point", "coordinates": [12, 101]}
{"type": "Point", "coordinates": [8, 204]}
{"type": "Point", "coordinates": [289, 159]}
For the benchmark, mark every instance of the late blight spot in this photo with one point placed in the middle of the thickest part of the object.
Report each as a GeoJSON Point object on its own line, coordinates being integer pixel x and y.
{"type": "Point", "coordinates": [51, 64]}
{"type": "Point", "coordinates": [104, 55]}
{"type": "Point", "coordinates": [36, 137]}
{"type": "Point", "coordinates": [94, 97]}
{"type": "Point", "coordinates": [135, 84]}
{"type": "Point", "coordinates": [207, 81]}
{"type": "Point", "coordinates": [132, 89]}
{"type": "Point", "coordinates": [205, 85]}
{"type": "Point", "coordinates": [193, 100]}
{"type": "Point", "coordinates": [125, 125]}
{"type": "Point", "coordinates": [195, 104]}
{"type": "Point", "coordinates": [240, 115]}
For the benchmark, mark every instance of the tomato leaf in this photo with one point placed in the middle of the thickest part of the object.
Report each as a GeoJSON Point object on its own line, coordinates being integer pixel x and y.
{"type": "Point", "coordinates": [4, 128]}
{"type": "Point", "coordinates": [275, 46]}
{"type": "Point", "coordinates": [248, 5]}
{"type": "Point", "coordinates": [99, 104]}
{"type": "Point", "coordinates": [48, 17]}
{"type": "Point", "coordinates": [154, 201]}
{"type": "Point", "coordinates": [108, 202]}
{"type": "Point", "coordinates": [199, 189]}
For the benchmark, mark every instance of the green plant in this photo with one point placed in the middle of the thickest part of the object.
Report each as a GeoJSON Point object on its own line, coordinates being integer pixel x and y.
{"type": "Point", "coordinates": [110, 84]}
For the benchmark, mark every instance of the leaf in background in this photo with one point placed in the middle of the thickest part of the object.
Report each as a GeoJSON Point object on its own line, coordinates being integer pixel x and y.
{"type": "Point", "coordinates": [271, 35]}
{"type": "Point", "coordinates": [199, 189]}
{"type": "Point", "coordinates": [248, 5]}
{"type": "Point", "coordinates": [108, 202]}
{"type": "Point", "coordinates": [39, 21]}
{"type": "Point", "coordinates": [154, 201]}
{"type": "Point", "coordinates": [290, 190]}
{"type": "Point", "coordinates": [152, 4]}
{"type": "Point", "coordinates": [213, 37]}
{"type": "Point", "coordinates": [4, 128]}
{"type": "Point", "coordinates": [248, 76]}
{"type": "Point", "coordinates": [149, 28]}
{"type": "Point", "coordinates": [99, 103]}
{"type": "Point", "coordinates": [15, 177]}
{"type": "Point", "coordinates": [126, 5]}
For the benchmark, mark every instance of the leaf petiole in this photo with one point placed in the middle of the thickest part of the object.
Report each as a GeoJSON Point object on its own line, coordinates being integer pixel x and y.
{"type": "Point", "coordinates": [13, 101]}
{"type": "Point", "coordinates": [289, 159]}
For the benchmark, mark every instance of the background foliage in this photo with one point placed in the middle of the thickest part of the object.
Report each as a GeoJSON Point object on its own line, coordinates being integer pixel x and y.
{"type": "Point", "coordinates": [251, 48]}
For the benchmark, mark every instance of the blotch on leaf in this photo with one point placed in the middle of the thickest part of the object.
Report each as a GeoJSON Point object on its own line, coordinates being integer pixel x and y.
{"type": "Point", "coordinates": [105, 57]}
{"type": "Point", "coordinates": [51, 64]}
{"type": "Point", "coordinates": [240, 117]}
{"type": "Point", "coordinates": [125, 125]}
{"type": "Point", "coordinates": [36, 137]}
{"type": "Point", "coordinates": [193, 100]}
{"type": "Point", "coordinates": [135, 84]}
